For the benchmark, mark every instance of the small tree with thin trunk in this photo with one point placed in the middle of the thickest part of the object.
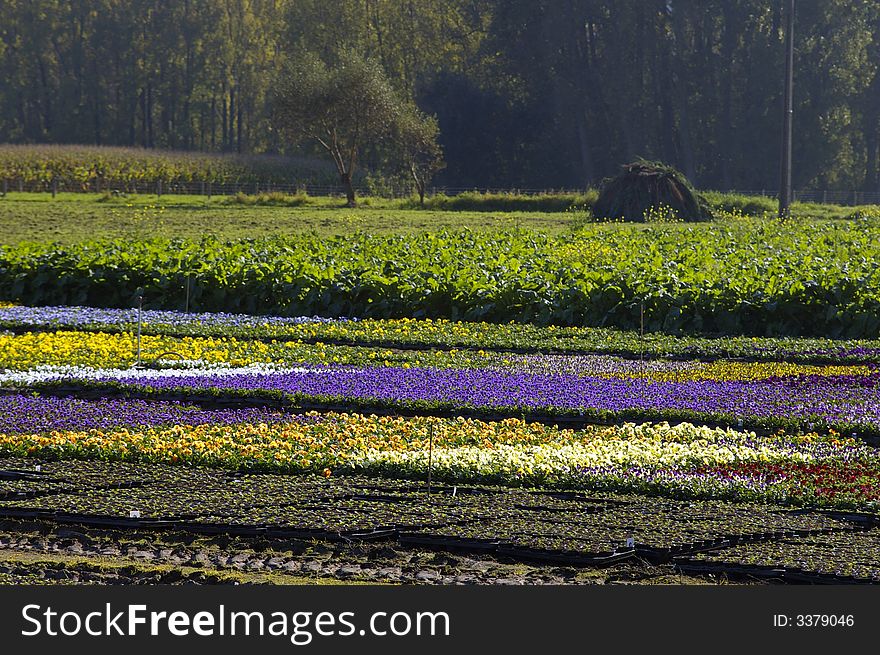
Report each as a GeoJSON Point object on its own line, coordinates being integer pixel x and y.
{"type": "Point", "coordinates": [344, 108]}
{"type": "Point", "coordinates": [420, 153]}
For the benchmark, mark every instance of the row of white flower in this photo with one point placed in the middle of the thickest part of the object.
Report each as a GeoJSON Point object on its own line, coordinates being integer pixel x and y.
{"type": "Point", "coordinates": [188, 368]}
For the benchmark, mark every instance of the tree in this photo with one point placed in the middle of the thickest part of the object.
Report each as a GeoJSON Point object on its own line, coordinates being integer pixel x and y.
{"type": "Point", "coordinates": [420, 153]}
{"type": "Point", "coordinates": [344, 108]}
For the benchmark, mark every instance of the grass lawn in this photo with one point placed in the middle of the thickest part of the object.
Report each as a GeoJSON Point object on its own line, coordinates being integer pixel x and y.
{"type": "Point", "coordinates": [74, 217]}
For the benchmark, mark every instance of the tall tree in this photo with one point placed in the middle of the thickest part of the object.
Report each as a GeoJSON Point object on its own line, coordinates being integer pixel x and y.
{"type": "Point", "coordinates": [344, 107]}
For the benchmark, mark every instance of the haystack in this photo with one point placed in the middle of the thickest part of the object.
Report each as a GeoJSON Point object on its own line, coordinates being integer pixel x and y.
{"type": "Point", "coordinates": [645, 189]}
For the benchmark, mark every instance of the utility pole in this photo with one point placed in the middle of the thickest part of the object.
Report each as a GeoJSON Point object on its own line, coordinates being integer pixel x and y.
{"type": "Point", "coordinates": [785, 182]}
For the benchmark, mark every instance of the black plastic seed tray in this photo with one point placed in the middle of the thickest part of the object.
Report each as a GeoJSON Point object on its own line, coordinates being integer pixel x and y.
{"type": "Point", "coordinates": [593, 509]}
{"type": "Point", "coordinates": [287, 532]}
{"type": "Point", "coordinates": [359, 535]}
{"type": "Point", "coordinates": [661, 555]}
{"type": "Point", "coordinates": [781, 573]}
{"type": "Point", "coordinates": [450, 542]}
{"type": "Point", "coordinates": [858, 518]}
{"type": "Point", "coordinates": [16, 474]}
{"type": "Point", "coordinates": [581, 497]}
{"type": "Point", "coordinates": [111, 519]}
{"type": "Point", "coordinates": [816, 577]}
{"type": "Point", "coordinates": [685, 565]}
{"type": "Point", "coordinates": [23, 513]}
{"type": "Point", "coordinates": [573, 558]}
{"type": "Point", "coordinates": [27, 495]}
{"type": "Point", "coordinates": [221, 528]}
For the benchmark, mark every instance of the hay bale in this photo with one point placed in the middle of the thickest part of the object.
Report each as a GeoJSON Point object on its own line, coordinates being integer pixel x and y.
{"type": "Point", "coordinates": [645, 189]}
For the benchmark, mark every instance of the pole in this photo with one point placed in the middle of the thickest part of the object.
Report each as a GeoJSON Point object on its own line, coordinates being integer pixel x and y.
{"type": "Point", "coordinates": [642, 331]}
{"type": "Point", "coordinates": [785, 182]}
{"type": "Point", "coordinates": [140, 308]}
{"type": "Point", "coordinates": [430, 453]}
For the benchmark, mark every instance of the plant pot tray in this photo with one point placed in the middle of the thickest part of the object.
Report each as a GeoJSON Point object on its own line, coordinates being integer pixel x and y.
{"type": "Point", "coordinates": [571, 558]}
{"type": "Point", "coordinates": [449, 542]}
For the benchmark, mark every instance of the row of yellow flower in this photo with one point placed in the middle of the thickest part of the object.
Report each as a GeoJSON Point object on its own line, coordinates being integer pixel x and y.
{"type": "Point", "coordinates": [104, 350]}
{"type": "Point", "coordinates": [359, 443]}
{"type": "Point", "coordinates": [722, 371]}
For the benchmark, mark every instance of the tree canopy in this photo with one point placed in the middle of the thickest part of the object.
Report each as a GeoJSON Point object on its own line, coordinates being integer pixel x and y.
{"type": "Point", "coordinates": [526, 93]}
{"type": "Point", "coordinates": [344, 107]}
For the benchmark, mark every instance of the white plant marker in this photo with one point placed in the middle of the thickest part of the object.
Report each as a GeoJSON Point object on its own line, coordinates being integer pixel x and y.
{"type": "Point", "coordinates": [140, 308]}
{"type": "Point", "coordinates": [430, 453]}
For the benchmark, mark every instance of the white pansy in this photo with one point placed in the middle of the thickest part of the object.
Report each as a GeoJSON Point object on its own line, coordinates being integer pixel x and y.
{"type": "Point", "coordinates": [190, 368]}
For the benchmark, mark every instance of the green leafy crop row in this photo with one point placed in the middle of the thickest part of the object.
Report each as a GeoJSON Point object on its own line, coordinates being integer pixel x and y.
{"type": "Point", "coordinates": [755, 278]}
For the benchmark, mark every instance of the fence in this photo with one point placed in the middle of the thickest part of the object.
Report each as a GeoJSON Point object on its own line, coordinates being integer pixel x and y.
{"type": "Point", "coordinates": [824, 196]}
{"type": "Point", "coordinates": [209, 189]}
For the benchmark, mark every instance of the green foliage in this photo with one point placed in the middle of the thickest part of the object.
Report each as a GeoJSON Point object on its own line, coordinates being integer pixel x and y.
{"type": "Point", "coordinates": [526, 94]}
{"type": "Point", "coordinates": [508, 202]}
{"type": "Point", "coordinates": [420, 155]}
{"type": "Point", "coordinates": [274, 199]}
{"type": "Point", "coordinates": [71, 218]}
{"type": "Point", "coordinates": [344, 107]}
{"type": "Point", "coordinates": [753, 277]}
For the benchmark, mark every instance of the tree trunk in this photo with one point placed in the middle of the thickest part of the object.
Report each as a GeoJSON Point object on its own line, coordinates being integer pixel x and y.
{"type": "Point", "coordinates": [587, 170]}
{"type": "Point", "coordinates": [238, 127]}
{"type": "Point", "coordinates": [420, 187]}
{"type": "Point", "coordinates": [143, 103]}
{"type": "Point", "coordinates": [150, 138]}
{"type": "Point", "coordinates": [872, 141]}
{"type": "Point", "coordinates": [225, 135]}
{"type": "Point", "coordinates": [726, 136]}
{"type": "Point", "coordinates": [350, 198]}
{"type": "Point", "coordinates": [681, 97]}
{"type": "Point", "coordinates": [871, 127]}
{"type": "Point", "coordinates": [233, 99]}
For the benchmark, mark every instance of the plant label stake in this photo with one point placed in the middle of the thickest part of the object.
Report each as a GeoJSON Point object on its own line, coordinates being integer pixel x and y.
{"type": "Point", "coordinates": [39, 468]}
{"type": "Point", "coordinates": [134, 514]}
{"type": "Point", "coordinates": [454, 491]}
{"type": "Point", "coordinates": [430, 453]}
{"type": "Point", "coordinates": [642, 336]}
{"type": "Point", "coordinates": [630, 542]}
{"type": "Point", "coordinates": [140, 293]}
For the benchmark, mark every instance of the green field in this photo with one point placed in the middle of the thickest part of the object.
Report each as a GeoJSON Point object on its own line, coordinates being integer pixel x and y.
{"type": "Point", "coordinates": [74, 217]}
{"type": "Point", "coordinates": [816, 280]}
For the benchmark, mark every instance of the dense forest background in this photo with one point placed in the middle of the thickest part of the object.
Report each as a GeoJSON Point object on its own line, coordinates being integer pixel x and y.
{"type": "Point", "coordinates": [528, 93]}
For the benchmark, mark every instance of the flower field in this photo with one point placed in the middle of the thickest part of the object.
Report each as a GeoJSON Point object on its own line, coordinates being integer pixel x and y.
{"type": "Point", "coordinates": [328, 404]}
